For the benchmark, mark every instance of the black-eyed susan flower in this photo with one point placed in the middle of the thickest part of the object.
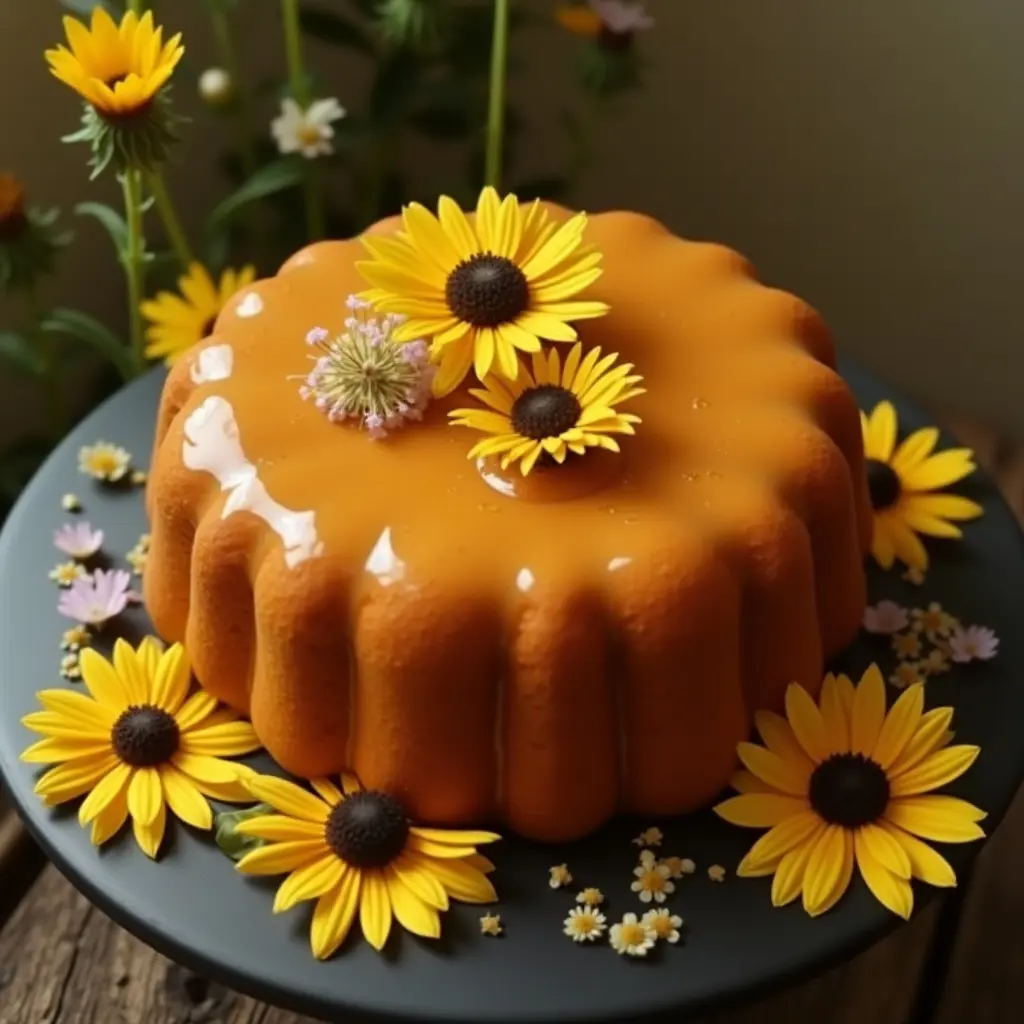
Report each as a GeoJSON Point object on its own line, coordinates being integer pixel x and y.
{"type": "Point", "coordinates": [355, 851]}
{"type": "Point", "coordinates": [138, 744]}
{"type": "Point", "coordinates": [555, 410]}
{"type": "Point", "coordinates": [177, 322]}
{"type": "Point", "coordinates": [841, 783]}
{"type": "Point", "coordinates": [481, 291]}
{"type": "Point", "coordinates": [904, 482]}
{"type": "Point", "coordinates": [116, 69]}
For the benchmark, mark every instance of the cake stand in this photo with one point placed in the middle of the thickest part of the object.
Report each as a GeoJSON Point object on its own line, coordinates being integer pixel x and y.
{"type": "Point", "coordinates": [192, 906]}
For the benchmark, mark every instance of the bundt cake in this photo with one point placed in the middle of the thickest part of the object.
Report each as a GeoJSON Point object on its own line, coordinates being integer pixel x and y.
{"type": "Point", "coordinates": [541, 652]}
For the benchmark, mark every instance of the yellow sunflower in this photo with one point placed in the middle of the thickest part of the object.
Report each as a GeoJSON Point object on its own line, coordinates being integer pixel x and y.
{"type": "Point", "coordinates": [555, 410]}
{"type": "Point", "coordinates": [903, 480]}
{"type": "Point", "coordinates": [138, 745]}
{"type": "Point", "coordinates": [115, 69]}
{"type": "Point", "coordinates": [481, 291]}
{"type": "Point", "coordinates": [842, 782]}
{"type": "Point", "coordinates": [181, 321]}
{"type": "Point", "coordinates": [356, 851]}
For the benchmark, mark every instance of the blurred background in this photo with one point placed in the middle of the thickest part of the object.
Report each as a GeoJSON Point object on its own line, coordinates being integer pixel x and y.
{"type": "Point", "coordinates": [865, 155]}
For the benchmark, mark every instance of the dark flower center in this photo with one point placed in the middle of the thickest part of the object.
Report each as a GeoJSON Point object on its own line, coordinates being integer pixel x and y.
{"type": "Point", "coordinates": [367, 830]}
{"type": "Point", "coordinates": [546, 410]}
{"type": "Point", "coordinates": [145, 736]}
{"type": "Point", "coordinates": [883, 484]}
{"type": "Point", "coordinates": [849, 790]}
{"type": "Point", "coordinates": [487, 290]}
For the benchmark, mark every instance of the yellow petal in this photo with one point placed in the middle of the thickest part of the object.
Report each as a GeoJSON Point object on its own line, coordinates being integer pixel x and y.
{"type": "Point", "coordinates": [225, 740]}
{"type": "Point", "coordinates": [884, 849]}
{"type": "Point", "coordinates": [410, 911]}
{"type": "Point", "coordinates": [484, 353]}
{"type": "Point", "coordinates": [487, 212]}
{"type": "Point", "coordinates": [881, 432]}
{"type": "Point", "coordinates": [906, 543]}
{"type": "Point", "coordinates": [150, 836]}
{"type": "Point", "coordinates": [205, 769]}
{"type": "Point", "coordinates": [131, 672]}
{"type": "Point", "coordinates": [788, 881]}
{"type": "Point", "coordinates": [309, 882]}
{"type": "Point", "coordinates": [173, 677]}
{"type": "Point", "coordinates": [457, 227]}
{"type": "Point", "coordinates": [430, 238]}
{"type": "Point", "coordinates": [780, 739]}
{"type": "Point", "coordinates": [899, 727]}
{"type": "Point", "coordinates": [335, 911]}
{"type": "Point", "coordinates": [110, 820]}
{"type": "Point", "coordinates": [350, 784]}
{"type": "Point", "coordinates": [939, 470]}
{"type": "Point", "coordinates": [442, 850]}
{"type": "Point", "coordinates": [184, 800]}
{"type": "Point", "coordinates": [282, 858]}
{"type": "Point", "coordinates": [747, 782]}
{"type": "Point", "coordinates": [882, 549]}
{"type": "Point", "coordinates": [461, 881]}
{"type": "Point", "coordinates": [915, 449]}
{"type": "Point", "coordinates": [941, 506]}
{"type": "Point", "coordinates": [455, 363]}
{"type": "Point", "coordinates": [942, 819]}
{"type": "Point", "coordinates": [327, 791]}
{"type": "Point", "coordinates": [50, 751]}
{"type": "Point", "coordinates": [236, 790]}
{"type": "Point", "coordinates": [375, 909]}
{"type": "Point", "coordinates": [825, 870]}
{"type": "Point", "coordinates": [868, 712]}
{"type": "Point", "coordinates": [417, 876]}
{"type": "Point", "coordinates": [73, 778]}
{"type": "Point", "coordinates": [774, 845]}
{"type": "Point", "coordinates": [925, 863]}
{"type": "Point", "coordinates": [62, 726]}
{"type": "Point", "coordinates": [893, 893]}
{"type": "Point", "coordinates": [927, 525]}
{"type": "Point", "coordinates": [145, 795]}
{"type": "Point", "coordinates": [562, 244]}
{"type": "Point", "coordinates": [281, 828]}
{"type": "Point", "coordinates": [105, 790]}
{"type": "Point", "coordinates": [760, 810]}
{"type": "Point", "coordinates": [807, 723]}
{"type": "Point", "coordinates": [783, 775]}
{"type": "Point", "coordinates": [288, 798]}
{"type": "Point", "coordinates": [102, 681]}
{"type": "Point", "coordinates": [544, 325]}
{"type": "Point", "coordinates": [934, 771]}
{"type": "Point", "coordinates": [454, 837]}
{"type": "Point", "coordinates": [833, 714]}
{"type": "Point", "coordinates": [930, 736]}
{"type": "Point", "coordinates": [842, 883]}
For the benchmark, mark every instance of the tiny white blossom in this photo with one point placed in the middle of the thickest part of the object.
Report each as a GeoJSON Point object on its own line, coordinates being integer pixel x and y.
{"type": "Point", "coordinates": [309, 131]}
{"type": "Point", "coordinates": [215, 86]}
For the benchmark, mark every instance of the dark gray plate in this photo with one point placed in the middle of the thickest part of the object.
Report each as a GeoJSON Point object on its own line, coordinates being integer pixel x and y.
{"type": "Point", "coordinates": [195, 909]}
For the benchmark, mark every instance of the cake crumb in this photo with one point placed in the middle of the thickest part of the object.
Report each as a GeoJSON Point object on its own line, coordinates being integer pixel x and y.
{"type": "Point", "coordinates": [716, 873]}
{"type": "Point", "coordinates": [71, 503]}
{"type": "Point", "coordinates": [560, 876]}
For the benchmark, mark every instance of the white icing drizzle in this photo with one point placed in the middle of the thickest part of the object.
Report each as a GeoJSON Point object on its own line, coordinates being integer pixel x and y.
{"type": "Point", "coordinates": [212, 445]}
{"type": "Point", "coordinates": [383, 562]}
{"type": "Point", "coordinates": [251, 305]}
{"type": "Point", "coordinates": [525, 580]}
{"type": "Point", "coordinates": [618, 563]}
{"type": "Point", "coordinates": [213, 363]}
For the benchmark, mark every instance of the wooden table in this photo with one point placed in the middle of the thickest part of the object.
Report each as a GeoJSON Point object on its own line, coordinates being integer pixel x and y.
{"type": "Point", "coordinates": [959, 962]}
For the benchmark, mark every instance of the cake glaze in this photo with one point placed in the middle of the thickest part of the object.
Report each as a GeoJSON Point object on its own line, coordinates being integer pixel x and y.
{"type": "Point", "coordinates": [541, 652]}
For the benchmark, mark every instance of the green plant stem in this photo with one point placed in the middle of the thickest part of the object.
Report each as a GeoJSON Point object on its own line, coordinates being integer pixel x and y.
{"type": "Point", "coordinates": [169, 215]}
{"type": "Point", "coordinates": [496, 105]}
{"type": "Point", "coordinates": [240, 99]}
{"type": "Point", "coordinates": [138, 6]}
{"type": "Point", "coordinates": [299, 87]}
{"type": "Point", "coordinates": [46, 344]}
{"type": "Point", "coordinates": [133, 260]}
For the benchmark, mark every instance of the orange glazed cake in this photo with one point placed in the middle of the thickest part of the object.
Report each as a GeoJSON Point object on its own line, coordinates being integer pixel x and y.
{"type": "Point", "coordinates": [579, 619]}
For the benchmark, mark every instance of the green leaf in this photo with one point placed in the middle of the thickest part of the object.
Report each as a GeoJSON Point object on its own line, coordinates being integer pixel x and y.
{"type": "Point", "coordinates": [229, 839]}
{"type": "Point", "coordinates": [18, 351]}
{"type": "Point", "coordinates": [80, 325]}
{"type": "Point", "coordinates": [331, 27]}
{"type": "Point", "coordinates": [115, 224]}
{"type": "Point", "coordinates": [394, 88]}
{"type": "Point", "coordinates": [272, 178]}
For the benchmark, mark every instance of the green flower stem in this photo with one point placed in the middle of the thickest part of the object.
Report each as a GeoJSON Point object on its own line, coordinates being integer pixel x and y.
{"type": "Point", "coordinates": [169, 215]}
{"type": "Point", "coordinates": [138, 6]}
{"type": "Point", "coordinates": [46, 344]}
{"type": "Point", "coordinates": [133, 260]}
{"type": "Point", "coordinates": [299, 87]}
{"type": "Point", "coordinates": [240, 99]}
{"type": "Point", "coordinates": [496, 106]}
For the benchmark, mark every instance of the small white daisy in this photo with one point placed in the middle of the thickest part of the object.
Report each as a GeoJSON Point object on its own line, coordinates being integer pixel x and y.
{"type": "Point", "coordinates": [886, 617]}
{"type": "Point", "coordinates": [560, 876]}
{"type": "Point", "coordinates": [104, 461]}
{"type": "Point", "coordinates": [975, 643]}
{"type": "Point", "coordinates": [75, 638]}
{"type": "Point", "coordinates": [490, 924]}
{"type": "Point", "coordinates": [71, 503]}
{"type": "Point", "coordinates": [309, 131]}
{"type": "Point", "coordinates": [663, 923]}
{"type": "Point", "coordinates": [716, 873]}
{"type": "Point", "coordinates": [679, 866]}
{"type": "Point", "coordinates": [69, 667]}
{"type": "Point", "coordinates": [652, 881]}
{"type": "Point", "coordinates": [591, 897]}
{"type": "Point", "coordinates": [650, 837]}
{"type": "Point", "coordinates": [65, 573]}
{"type": "Point", "coordinates": [631, 937]}
{"type": "Point", "coordinates": [584, 924]}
